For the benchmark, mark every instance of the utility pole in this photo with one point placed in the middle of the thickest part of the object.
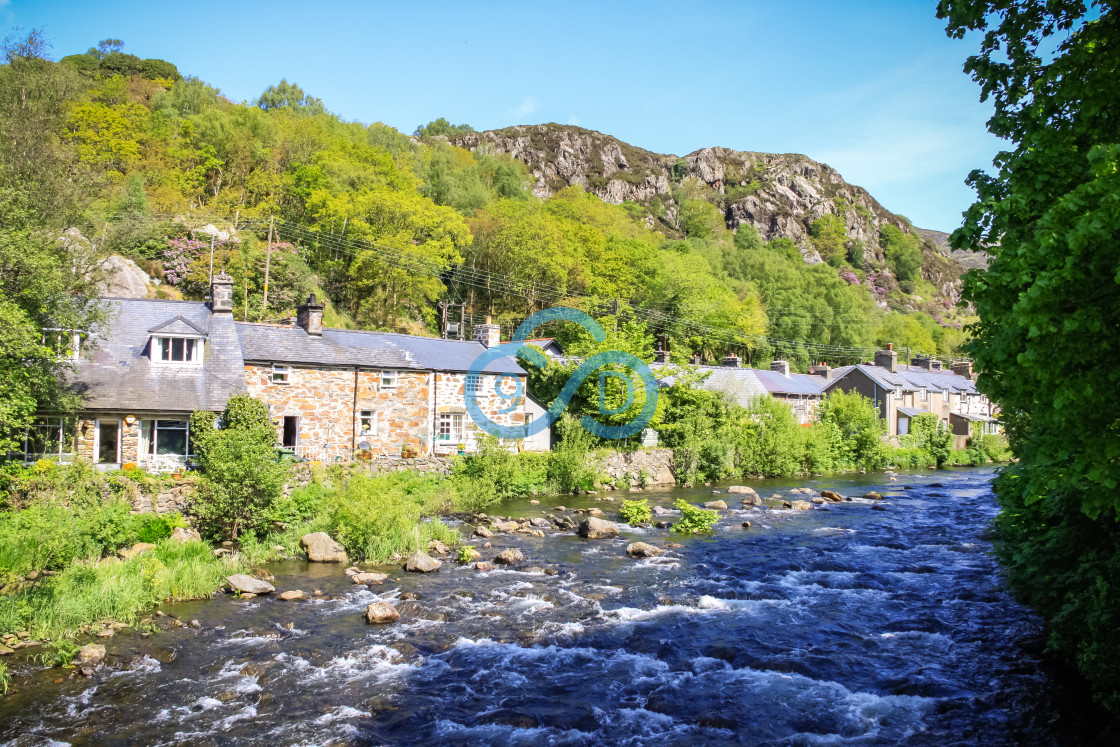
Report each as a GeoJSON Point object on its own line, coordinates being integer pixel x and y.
{"type": "Point", "coordinates": [267, 265]}
{"type": "Point", "coordinates": [443, 319]}
{"type": "Point", "coordinates": [212, 238]}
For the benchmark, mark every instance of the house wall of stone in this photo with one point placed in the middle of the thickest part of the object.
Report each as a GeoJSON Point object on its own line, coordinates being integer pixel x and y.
{"type": "Point", "coordinates": [329, 420]}
{"type": "Point", "coordinates": [129, 436]}
{"type": "Point", "coordinates": [449, 398]}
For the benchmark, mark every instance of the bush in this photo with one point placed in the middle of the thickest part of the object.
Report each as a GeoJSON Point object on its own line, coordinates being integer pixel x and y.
{"type": "Point", "coordinates": [155, 527]}
{"type": "Point", "coordinates": [637, 512]}
{"type": "Point", "coordinates": [242, 478]}
{"type": "Point", "coordinates": [571, 465]}
{"type": "Point", "coordinates": [856, 419]}
{"type": "Point", "coordinates": [494, 473]}
{"type": "Point", "coordinates": [929, 434]}
{"type": "Point", "coordinates": [693, 520]}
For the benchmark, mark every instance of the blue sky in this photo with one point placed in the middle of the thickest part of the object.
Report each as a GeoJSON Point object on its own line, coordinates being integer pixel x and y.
{"type": "Point", "coordinates": [874, 89]}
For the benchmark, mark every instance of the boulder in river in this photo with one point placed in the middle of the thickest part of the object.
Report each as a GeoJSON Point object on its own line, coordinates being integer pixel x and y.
{"type": "Point", "coordinates": [818, 500]}
{"type": "Point", "coordinates": [874, 496]}
{"type": "Point", "coordinates": [368, 578]}
{"type": "Point", "coordinates": [718, 505]}
{"type": "Point", "coordinates": [540, 523]}
{"type": "Point", "coordinates": [247, 584]}
{"type": "Point", "coordinates": [292, 595]}
{"type": "Point", "coordinates": [643, 550]}
{"type": "Point", "coordinates": [320, 548]}
{"type": "Point", "coordinates": [592, 528]}
{"type": "Point", "coordinates": [483, 567]}
{"type": "Point", "coordinates": [506, 526]}
{"type": "Point", "coordinates": [89, 658]}
{"type": "Point", "coordinates": [509, 557]}
{"type": "Point", "coordinates": [438, 547]}
{"type": "Point", "coordinates": [800, 505]}
{"type": "Point", "coordinates": [483, 532]}
{"type": "Point", "coordinates": [381, 612]}
{"type": "Point", "coordinates": [742, 489]}
{"type": "Point", "coordinates": [661, 511]}
{"type": "Point", "coordinates": [421, 562]}
{"type": "Point", "coordinates": [831, 496]}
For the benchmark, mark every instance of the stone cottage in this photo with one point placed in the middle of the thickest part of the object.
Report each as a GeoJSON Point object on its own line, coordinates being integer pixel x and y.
{"type": "Point", "coordinates": [334, 395]}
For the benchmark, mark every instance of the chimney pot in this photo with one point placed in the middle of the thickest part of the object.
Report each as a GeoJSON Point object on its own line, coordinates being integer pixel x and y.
{"type": "Point", "coordinates": [963, 368]}
{"type": "Point", "coordinates": [310, 316]}
{"type": "Point", "coordinates": [732, 361]}
{"type": "Point", "coordinates": [887, 359]}
{"type": "Point", "coordinates": [661, 356]}
{"type": "Point", "coordinates": [821, 369]}
{"type": "Point", "coordinates": [490, 335]}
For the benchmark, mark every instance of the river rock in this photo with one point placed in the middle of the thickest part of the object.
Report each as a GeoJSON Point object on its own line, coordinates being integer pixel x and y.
{"type": "Point", "coordinates": [247, 584]}
{"type": "Point", "coordinates": [878, 507]}
{"type": "Point", "coordinates": [874, 496]}
{"type": "Point", "coordinates": [438, 547]}
{"type": "Point", "coordinates": [746, 525]}
{"type": "Point", "coordinates": [800, 505]}
{"type": "Point", "coordinates": [483, 532]}
{"type": "Point", "coordinates": [509, 557]}
{"type": "Point", "coordinates": [592, 528]}
{"type": "Point", "coordinates": [292, 595]}
{"type": "Point", "coordinates": [831, 496]}
{"type": "Point", "coordinates": [181, 534]}
{"type": "Point", "coordinates": [381, 612]}
{"type": "Point", "coordinates": [718, 505]}
{"type": "Point", "coordinates": [89, 658]}
{"type": "Point", "coordinates": [421, 562]}
{"type": "Point", "coordinates": [540, 523]}
{"type": "Point", "coordinates": [594, 512]}
{"type": "Point", "coordinates": [818, 500]}
{"type": "Point", "coordinates": [320, 548]}
{"type": "Point", "coordinates": [506, 526]}
{"type": "Point", "coordinates": [660, 511]}
{"type": "Point", "coordinates": [368, 578]}
{"type": "Point", "coordinates": [139, 547]}
{"type": "Point", "coordinates": [483, 567]}
{"type": "Point", "coordinates": [643, 550]}
{"type": "Point", "coordinates": [742, 489]}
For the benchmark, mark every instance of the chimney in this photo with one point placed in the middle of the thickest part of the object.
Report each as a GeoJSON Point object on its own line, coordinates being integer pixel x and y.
{"type": "Point", "coordinates": [732, 361]}
{"type": "Point", "coordinates": [781, 367]}
{"type": "Point", "coordinates": [221, 294]}
{"type": "Point", "coordinates": [963, 368]}
{"type": "Point", "coordinates": [926, 362]}
{"type": "Point", "coordinates": [661, 356]}
{"type": "Point", "coordinates": [490, 335]}
{"type": "Point", "coordinates": [310, 316]}
{"type": "Point", "coordinates": [821, 369]}
{"type": "Point", "coordinates": [888, 358]}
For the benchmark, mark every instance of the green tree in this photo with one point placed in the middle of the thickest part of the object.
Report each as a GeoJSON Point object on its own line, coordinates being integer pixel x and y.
{"type": "Point", "coordinates": [442, 127]}
{"type": "Point", "coordinates": [242, 477]}
{"type": "Point", "coordinates": [861, 430]}
{"type": "Point", "coordinates": [1049, 304]}
{"type": "Point", "coordinates": [829, 236]}
{"type": "Point", "coordinates": [289, 96]}
{"type": "Point", "coordinates": [903, 252]}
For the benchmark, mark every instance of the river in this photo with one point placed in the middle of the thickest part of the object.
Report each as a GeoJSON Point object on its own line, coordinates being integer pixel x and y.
{"type": "Point", "coordinates": [843, 624]}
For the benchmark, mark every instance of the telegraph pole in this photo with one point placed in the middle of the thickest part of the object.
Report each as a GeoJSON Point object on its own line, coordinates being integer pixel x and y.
{"type": "Point", "coordinates": [267, 264]}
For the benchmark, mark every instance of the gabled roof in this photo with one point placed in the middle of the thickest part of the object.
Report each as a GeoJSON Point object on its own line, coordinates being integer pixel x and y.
{"type": "Point", "coordinates": [178, 326]}
{"type": "Point", "coordinates": [740, 384]}
{"type": "Point", "coordinates": [272, 343]}
{"type": "Point", "coordinates": [910, 378]}
{"type": "Point", "coordinates": [120, 375]}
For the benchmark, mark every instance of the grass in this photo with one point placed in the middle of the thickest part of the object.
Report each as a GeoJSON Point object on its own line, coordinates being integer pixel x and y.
{"type": "Point", "coordinates": [88, 591]}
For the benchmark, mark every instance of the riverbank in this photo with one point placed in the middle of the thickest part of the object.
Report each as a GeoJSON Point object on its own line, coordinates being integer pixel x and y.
{"type": "Point", "coordinates": [844, 622]}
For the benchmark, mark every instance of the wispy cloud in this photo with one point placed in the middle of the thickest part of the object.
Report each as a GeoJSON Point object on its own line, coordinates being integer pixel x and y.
{"type": "Point", "coordinates": [525, 108]}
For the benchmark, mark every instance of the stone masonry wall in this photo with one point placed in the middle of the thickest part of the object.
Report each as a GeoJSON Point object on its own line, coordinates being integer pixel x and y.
{"type": "Point", "coordinates": [329, 420]}
{"type": "Point", "coordinates": [655, 462]}
{"type": "Point", "coordinates": [449, 399]}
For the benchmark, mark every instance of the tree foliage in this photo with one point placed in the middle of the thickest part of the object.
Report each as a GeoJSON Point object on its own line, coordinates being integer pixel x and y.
{"type": "Point", "coordinates": [1049, 306]}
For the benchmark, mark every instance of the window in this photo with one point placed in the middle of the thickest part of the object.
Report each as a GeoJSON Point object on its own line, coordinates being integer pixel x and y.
{"type": "Point", "coordinates": [450, 427]}
{"type": "Point", "coordinates": [923, 393]}
{"type": "Point", "coordinates": [945, 396]}
{"type": "Point", "coordinates": [367, 423]}
{"type": "Point", "coordinates": [472, 385]}
{"type": "Point", "coordinates": [528, 420]}
{"type": "Point", "coordinates": [898, 393]}
{"type": "Point", "coordinates": [388, 379]}
{"type": "Point", "coordinates": [47, 438]}
{"type": "Point", "coordinates": [177, 350]}
{"type": "Point", "coordinates": [281, 374]}
{"type": "Point", "coordinates": [165, 442]}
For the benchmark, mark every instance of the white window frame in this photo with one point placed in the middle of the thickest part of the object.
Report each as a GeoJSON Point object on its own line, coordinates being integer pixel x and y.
{"type": "Point", "coordinates": [898, 394]}
{"type": "Point", "coordinates": [454, 434]}
{"type": "Point", "coordinates": [150, 448]}
{"type": "Point", "coordinates": [60, 452]}
{"type": "Point", "coordinates": [160, 344]}
{"type": "Point", "coordinates": [370, 418]}
{"type": "Point", "coordinates": [389, 379]}
{"type": "Point", "coordinates": [923, 393]}
{"type": "Point", "coordinates": [59, 333]}
{"type": "Point", "coordinates": [97, 439]}
{"type": "Point", "coordinates": [945, 396]}
{"type": "Point", "coordinates": [285, 372]}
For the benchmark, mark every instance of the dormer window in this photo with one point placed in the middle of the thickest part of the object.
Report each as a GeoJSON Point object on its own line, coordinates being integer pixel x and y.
{"type": "Point", "coordinates": [177, 350]}
{"type": "Point", "coordinates": [177, 341]}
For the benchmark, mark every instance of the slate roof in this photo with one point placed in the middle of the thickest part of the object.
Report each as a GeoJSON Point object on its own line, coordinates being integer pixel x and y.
{"type": "Point", "coordinates": [178, 326]}
{"type": "Point", "coordinates": [340, 347]}
{"type": "Point", "coordinates": [795, 383]}
{"type": "Point", "coordinates": [910, 378]}
{"type": "Point", "coordinates": [740, 384]}
{"type": "Point", "coordinates": [912, 412]}
{"type": "Point", "coordinates": [121, 376]}
{"type": "Point", "coordinates": [971, 417]}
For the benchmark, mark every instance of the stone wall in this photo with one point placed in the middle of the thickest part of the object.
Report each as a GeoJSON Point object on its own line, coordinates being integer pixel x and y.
{"type": "Point", "coordinates": [330, 421]}
{"type": "Point", "coordinates": [449, 398]}
{"type": "Point", "coordinates": [656, 463]}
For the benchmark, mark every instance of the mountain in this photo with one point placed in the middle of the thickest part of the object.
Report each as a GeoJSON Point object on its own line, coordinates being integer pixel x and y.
{"type": "Point", "coordinates": [780, 195]}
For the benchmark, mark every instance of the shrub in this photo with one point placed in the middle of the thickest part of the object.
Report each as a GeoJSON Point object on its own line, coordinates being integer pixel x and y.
{"type": "Point", "coordinates": [155, 527]}
{"type": "Point", "coordinates": [465, 556]}
{"type": "Point", "coordinates": [242, 478]}
{"type": "Point", "coordinates": [929, 434]}
{"type": "Point", "coordinates": [636, 512]}
{"type": "Point", "coordinates": [693, 520]}
{"type": "Point", "coordinates": [571, 465]}
{"type": "Point", "coordinates": [856, 419]}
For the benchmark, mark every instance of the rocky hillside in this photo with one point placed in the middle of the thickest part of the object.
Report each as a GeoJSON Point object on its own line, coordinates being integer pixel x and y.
{"type": "Point", "coordinates": [778, 194]}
